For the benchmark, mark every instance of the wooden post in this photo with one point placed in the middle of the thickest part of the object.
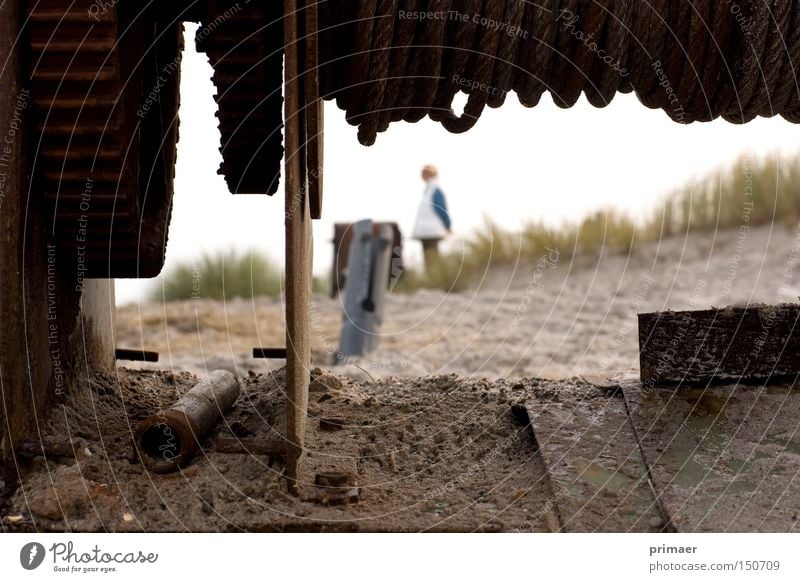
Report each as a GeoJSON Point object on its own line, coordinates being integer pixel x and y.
{"type": "Point", "coordinates": [720, 345]}
{"type": "Point", "coordinates": [98, 317]}
{"type": "Point", "coordinates": [298, 250]}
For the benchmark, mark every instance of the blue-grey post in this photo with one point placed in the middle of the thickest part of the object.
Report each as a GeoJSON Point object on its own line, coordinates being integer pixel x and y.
{"type": "Point", "coordinates": [355, 325]}
{"type": "Point", "coordinates": [381, 263]}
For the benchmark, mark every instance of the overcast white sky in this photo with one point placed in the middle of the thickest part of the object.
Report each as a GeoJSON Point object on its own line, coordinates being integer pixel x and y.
{"type": "Point", "coordinates": [515, 164]}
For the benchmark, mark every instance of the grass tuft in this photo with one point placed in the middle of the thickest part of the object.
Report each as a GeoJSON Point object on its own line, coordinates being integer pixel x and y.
{"type": "Point", "coordinates": [223, 275]}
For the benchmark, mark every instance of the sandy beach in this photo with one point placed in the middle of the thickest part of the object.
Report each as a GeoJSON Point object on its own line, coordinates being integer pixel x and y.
{"type": "Point", "coordinates": [547, 318]}
{"type": "Point", "coordinates": [513, 407]}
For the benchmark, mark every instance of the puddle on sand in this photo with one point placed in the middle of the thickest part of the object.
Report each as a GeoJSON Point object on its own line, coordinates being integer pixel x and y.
{"type": "Point", "coordinates": [696, 436]}
{"type": "Point", "coordinates": [704, 402]}
{"type": "Point", "coordinates": [613, 481]}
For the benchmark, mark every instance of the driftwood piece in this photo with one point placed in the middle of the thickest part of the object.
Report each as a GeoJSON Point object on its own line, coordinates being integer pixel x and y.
{"type": "Point", "coordinates": [167, 439]}
{"type": "Point", "coordinates": [732, 343]}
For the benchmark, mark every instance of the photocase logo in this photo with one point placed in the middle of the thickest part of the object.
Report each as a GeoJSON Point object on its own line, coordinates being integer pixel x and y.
{"type": "Point", "coordinates": [31, 555]}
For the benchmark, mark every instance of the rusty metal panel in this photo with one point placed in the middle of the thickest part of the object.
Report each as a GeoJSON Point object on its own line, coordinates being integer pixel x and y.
{"type": "Point", "coordinates": [724, 458]}
{"type": "Point", "coordinates": [599, 478]}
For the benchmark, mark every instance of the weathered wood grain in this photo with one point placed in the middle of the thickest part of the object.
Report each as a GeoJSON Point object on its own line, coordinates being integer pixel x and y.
{"type": "Point", "coordinates": [733, 343]}
{"type": "Point", "coordinates": [298, 248]}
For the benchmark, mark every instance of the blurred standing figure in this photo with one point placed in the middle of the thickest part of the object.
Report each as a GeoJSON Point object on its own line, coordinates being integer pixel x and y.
{"type": "Point", "coordinates": [433, 220]}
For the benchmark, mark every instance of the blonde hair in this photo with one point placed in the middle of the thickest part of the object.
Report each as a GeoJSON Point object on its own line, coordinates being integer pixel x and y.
{"type": "Point", "coordinates": [431, 169]}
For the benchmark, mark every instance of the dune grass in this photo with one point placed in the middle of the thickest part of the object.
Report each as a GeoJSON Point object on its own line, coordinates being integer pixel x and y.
{"type": "Point", "coordinates": [750, 192]}
{"type": "Point", "coordinates": [224, 275]}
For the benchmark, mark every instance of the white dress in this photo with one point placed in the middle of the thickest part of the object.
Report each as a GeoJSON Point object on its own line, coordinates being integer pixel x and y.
{"type": "Point", "coordinates": [428, 224]}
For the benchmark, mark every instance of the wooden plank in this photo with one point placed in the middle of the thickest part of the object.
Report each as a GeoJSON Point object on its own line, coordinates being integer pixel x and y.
{"type": "Point", "coordinates": [733, 343]}
{"type": "Point", "coordinates": [723, 459]}
{"type": "Point", "coordinates": [599, 478]}
{"type": "Point", "coordinates": [98, 323]}
{"type": "Point", "coordinates": [298, 251]}
{"type": "Point", "coordinates": [314, 110]}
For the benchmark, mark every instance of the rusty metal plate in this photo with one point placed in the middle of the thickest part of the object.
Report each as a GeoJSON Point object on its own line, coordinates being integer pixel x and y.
{"type": "Point", "coordinates": [598, 476]}
{"type": "Point", "coordinates": [723, 458]}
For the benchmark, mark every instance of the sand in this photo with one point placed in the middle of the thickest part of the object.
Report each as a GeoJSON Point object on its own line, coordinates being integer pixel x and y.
{"type": "Point", "coordinates": [428, 422]}
{"type": "Point", "coordinates": [434, 454]}
{"type": "Point", "coordinates": [549, 319]}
